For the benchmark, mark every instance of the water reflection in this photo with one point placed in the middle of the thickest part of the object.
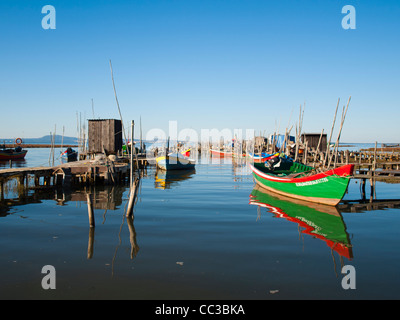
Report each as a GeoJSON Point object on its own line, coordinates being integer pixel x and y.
{"type": "Point", "coordinates": [320, 221]}
{"type": "Point", "coordinates": [6, 164]}
{"type": "Point", "coordinates": [99, 198]}
{"type": "Point", "coordinates": [168, 179]}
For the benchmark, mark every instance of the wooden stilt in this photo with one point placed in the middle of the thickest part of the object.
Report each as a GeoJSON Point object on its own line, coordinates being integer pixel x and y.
{"type": "Point", "coordinates": [90, 243]}
{"type": "Point", "coordinates": [132, 197]}
{"type": "Point", "coordinates": [90, 210]}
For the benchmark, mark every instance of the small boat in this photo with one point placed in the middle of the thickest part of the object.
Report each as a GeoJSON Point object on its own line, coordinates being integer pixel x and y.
{"type": "Point", "coordinates": [299, 181]}
{"type": "Point", "coordinates": [16, 153]}
{"type": "Point", "coordinates": [320, 221]}
{"type": "Point", "coordinates": [221, 153]}
{"type": "Point", "coordinates": [175, 161]}
{"type": "Point", "coordinates": [259, 158]}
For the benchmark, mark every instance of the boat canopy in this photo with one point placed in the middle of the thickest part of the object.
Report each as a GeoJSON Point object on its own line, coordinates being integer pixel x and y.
{"type": "Point", "coordinates": [280, 140]}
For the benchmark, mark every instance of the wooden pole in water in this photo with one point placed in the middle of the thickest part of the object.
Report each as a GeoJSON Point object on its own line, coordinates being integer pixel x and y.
{"type": "Point", "coordinates": [373, 190]}
{"type": "Point", "coordinates": [133, 184]}
{"type": "Point", "coordinates": [90, 243]}
{"type": "Point", "coordinates": [90, 210]}
{"type": "Point", "coordinates": [132, 197]}
{"type": "Point", "coordinates": [132, 237]}
{"type": "Point", "coordinates": [131, 155]}
{"type": "Point", "coordinates": [363, 189]}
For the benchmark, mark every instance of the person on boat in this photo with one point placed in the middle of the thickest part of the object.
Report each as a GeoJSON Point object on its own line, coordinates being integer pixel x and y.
{"type": "Point", "coordinates": [71, 154]}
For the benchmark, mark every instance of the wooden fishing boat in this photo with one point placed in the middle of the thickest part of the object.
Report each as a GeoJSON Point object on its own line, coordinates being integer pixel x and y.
{"type": "Point", "coordinates": [259, 158]}
{"type": "Point", "coordinates": [175, 161]}
{"type": "Point", "coordinates": [298, 181]}
{"type": "Point", "coordinates": [221, 153]}
{"type": "Point", "coordinates": [320, 221]}
{"type": "Point", "coordinates": [12, 154]}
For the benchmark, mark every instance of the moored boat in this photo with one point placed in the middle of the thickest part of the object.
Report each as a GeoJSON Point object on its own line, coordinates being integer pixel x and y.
{"type": "Point", "coordinates": [259, 157]}
{"type": "Point", "coordinates": [16, 153]}
{"type": "Point", "coordinates": [299, 181]}
{"type": "Point", "coordinates": [221, 153]}
{"type": "Point", "coordinates": [12, 154]}
{"type": "Point", "coordinates": [175, 161]}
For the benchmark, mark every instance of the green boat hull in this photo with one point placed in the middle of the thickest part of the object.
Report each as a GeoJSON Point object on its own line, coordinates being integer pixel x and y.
{"type": "Point", "coordinates": [327, 187]}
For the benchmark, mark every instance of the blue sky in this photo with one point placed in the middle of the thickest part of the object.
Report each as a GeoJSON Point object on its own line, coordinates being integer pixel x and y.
{"type": "Point", "coordinates": [204, 63]}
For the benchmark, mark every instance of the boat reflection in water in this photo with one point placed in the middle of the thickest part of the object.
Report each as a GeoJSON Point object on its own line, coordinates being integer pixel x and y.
{"type": "Point", "coordinates": [320, 221]}
{"type": "Point", "coordinates": [167, 179]}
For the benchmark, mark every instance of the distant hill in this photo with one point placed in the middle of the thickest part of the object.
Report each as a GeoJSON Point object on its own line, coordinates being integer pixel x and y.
{"type": "Point", "coordinates": [44, 140]}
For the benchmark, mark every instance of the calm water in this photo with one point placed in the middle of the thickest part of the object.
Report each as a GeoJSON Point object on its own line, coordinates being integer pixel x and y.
{"type": "Point", "coordinates": [207, 234]}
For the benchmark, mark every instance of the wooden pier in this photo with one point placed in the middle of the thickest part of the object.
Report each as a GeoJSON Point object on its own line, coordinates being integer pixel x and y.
{"type": "Point", "coordinates": [83, 172]}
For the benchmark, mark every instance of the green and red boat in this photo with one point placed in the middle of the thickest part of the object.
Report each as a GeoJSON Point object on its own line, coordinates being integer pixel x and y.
{"type": "Point", "coordinates": [299, 181]}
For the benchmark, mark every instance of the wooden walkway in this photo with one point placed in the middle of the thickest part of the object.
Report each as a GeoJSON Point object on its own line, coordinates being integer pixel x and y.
{"type": "Point", "coordinates": [78, 172]}
{"type": "Point", "coordinates": [12, 172]}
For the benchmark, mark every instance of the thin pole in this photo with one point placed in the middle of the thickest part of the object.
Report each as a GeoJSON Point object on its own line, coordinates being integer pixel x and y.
{"type": "Point", "coordinates": [116, 99]}
{"type": "Point", "coordinates": [330, 136]}
{"type": "Point", "coordinates": [62, 139]}
{"type": "Point", "coordinates": [132, 197]}
{"type": "Point", "coordinates": [141, 147]}
{"type": "Point", "coordinates": [52, 147]}
{"type": "Point", "coordinates": [90, 210]}
{"type": "Point", "coordinates": [319, 142]}
{"type": "Point", "coordinates": [344, 112]}
{"type": "Point", "coordinates": [92, 108]}
{"type": "Point", "coordinates": [131, 155]}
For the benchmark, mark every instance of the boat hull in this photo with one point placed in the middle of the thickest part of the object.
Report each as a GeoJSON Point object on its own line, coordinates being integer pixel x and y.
{"type": "Point", "coordinates": [259, 158]}
{"type": "Point", "coordinates": [326, 188]}
{"type": "Point", "coordinates": [174, 163]}
{"type": "Point", "coordinates": [14, 155]}
{"type": "Point", "coordinates": [221, 154]}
